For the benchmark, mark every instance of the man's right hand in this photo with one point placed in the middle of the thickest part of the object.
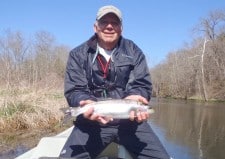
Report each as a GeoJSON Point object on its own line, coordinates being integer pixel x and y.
{"type": "Point", "coordinates": [89, 114]}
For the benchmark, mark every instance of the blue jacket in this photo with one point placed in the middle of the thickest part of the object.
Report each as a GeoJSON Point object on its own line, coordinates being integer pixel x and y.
{"type": "Point", "coordinates": [128, 73]}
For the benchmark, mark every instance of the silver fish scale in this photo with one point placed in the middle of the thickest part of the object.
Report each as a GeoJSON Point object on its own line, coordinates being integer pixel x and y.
{"type": "Point", "coordinates": [115, 108]}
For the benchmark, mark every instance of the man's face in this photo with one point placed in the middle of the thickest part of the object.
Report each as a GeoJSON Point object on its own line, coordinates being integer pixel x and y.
{"type": "Point", "coordinates": [108, 28]}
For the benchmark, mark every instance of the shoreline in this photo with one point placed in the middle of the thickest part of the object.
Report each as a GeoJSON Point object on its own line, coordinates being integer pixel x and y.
{"type": "Point", "coordinates": [16, 143]}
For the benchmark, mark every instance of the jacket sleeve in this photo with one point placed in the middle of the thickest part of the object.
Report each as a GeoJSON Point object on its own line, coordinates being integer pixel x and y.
{"type": "Point", "coordinates": [139, 80]}
{"type": "Point", "coordinates": [75, 82]}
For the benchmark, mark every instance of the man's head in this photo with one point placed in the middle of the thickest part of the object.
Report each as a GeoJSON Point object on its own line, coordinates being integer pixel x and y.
{"type": "Point", "coordinates": [108, 9]}
{"type": "Point", "coordinates": [108, 26]}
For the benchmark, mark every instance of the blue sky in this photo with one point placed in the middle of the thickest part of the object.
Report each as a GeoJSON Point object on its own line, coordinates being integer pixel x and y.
{"type": "Point", "coordinates": [157, 26]}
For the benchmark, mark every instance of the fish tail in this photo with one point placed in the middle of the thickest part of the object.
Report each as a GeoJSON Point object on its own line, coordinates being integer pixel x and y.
{"type": "Point", "coordinates": [151, 111]}
{"type": "Point", "coordinates": [75, 111]}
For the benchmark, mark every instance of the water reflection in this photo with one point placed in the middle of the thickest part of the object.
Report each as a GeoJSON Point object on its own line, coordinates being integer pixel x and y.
{"type": "Point", "coordinates": [13, 152]}
{"type": "Point", "coordinates": [190, 130]}
{"type": "Point", "coordinates": [187, 129]}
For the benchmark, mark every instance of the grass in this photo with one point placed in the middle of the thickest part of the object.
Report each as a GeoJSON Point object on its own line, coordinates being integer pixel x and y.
{"type": "Point", "coordinates": [27, 114]}
{"type": "Point", "coordinates": [9, 109]}
{"type": "Point", "coordinates": [26, 109]}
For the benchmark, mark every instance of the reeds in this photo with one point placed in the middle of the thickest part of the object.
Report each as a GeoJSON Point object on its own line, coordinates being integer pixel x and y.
{"type": "Point", "coordinates": [28, 109]}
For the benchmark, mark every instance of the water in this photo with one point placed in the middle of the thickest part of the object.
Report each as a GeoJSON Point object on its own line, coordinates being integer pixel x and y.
{"type": "Point", "coordinates": [14, 152]}
{"type": "Point", "coordinates": [190, 130]}
{"type": "Point", "coordinates": [187, 129]}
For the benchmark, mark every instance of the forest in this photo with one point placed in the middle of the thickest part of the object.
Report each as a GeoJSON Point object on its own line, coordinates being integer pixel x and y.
{"type": "Point", "coordinates": [196, 71]}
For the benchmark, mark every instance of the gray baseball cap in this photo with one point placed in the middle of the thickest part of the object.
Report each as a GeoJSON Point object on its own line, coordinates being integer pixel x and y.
{"type": "Point", "coordinates": [108, 9]}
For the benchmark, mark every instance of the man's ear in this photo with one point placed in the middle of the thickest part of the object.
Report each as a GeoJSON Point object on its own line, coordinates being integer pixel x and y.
{"type": "Point", "coordinates": [95, 27]}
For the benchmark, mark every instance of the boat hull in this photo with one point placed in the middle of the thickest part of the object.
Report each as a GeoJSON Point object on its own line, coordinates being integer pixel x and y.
{"type": "Point", "coordinates": [50, 147]}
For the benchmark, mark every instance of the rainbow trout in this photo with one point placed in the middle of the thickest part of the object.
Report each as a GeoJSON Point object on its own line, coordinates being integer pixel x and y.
{"type": "Point", "coordinates": [113, 108]}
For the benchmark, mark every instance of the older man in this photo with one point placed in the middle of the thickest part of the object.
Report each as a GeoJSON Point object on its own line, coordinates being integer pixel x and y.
{"type": "Point", "coordinates": [109, 66]}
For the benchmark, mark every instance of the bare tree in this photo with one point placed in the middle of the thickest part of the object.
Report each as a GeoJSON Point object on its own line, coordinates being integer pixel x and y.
{"type": "Point", "coordinates": [197, 70]}
{"type": "Point", "coordinates": [13, 51]}
{"type": "Point", "coordinates": [212, 25]}
{"type": "Point", "coordinates": [37, 62]}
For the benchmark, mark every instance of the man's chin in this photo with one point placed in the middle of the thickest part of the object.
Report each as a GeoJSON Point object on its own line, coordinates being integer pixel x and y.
{"type": "Point", "coordinates": [109, 40]}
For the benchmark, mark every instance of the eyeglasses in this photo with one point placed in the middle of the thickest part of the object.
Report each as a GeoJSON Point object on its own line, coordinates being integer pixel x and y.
{"type": "Point", "coordinates": [104, 23]}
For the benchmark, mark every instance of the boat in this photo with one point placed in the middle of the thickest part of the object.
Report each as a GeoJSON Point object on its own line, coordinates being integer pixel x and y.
{"type": "Point", "coordinates": [50, 148]}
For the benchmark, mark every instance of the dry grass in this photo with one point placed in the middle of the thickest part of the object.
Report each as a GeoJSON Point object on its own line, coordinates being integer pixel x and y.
{"type": "Point", "coordinates": [30, 109]}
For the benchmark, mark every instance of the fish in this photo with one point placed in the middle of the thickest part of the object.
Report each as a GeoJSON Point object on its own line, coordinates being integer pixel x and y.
{"type": "Point", "coordinates": [112, 108]}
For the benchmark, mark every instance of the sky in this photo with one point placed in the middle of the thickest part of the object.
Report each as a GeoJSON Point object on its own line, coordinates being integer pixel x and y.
{"type": "Point", "coordinates": [156, 26]}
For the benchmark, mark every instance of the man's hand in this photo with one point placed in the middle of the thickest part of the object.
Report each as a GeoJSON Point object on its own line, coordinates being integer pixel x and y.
{"type": "Point", "coordinates": [138, 115]}
{"type": "Point", "coordinates": [84, 102]}
{"type": "Point", "coordinates": [138, 98]}
{"type": "Point", "coordinates": [89, 114]}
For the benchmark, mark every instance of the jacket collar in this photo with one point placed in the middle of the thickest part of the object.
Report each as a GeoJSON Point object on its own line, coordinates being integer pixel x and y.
{"type": "Point", "coordinates": [92, 43]}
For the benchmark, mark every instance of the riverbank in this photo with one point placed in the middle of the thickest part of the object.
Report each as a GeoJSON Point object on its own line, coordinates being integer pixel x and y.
{"type": "Point", "coordinates": [194, 98]}
{"type": "Point", "coordinates": [16, 143]}
{"type": "Point", "coordinates": [25, 109]}
{"type": "Point", "coordinates": [27, 115]}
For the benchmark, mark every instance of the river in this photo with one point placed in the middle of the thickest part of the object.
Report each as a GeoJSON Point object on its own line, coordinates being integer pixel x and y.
{"type": "Point", "coordinates": [187, 129]}
{"type": "Point", "coordinates": [190, 129]}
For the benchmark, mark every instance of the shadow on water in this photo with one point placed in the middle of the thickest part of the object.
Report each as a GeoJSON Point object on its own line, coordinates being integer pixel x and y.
{"type": "Point", "coordinates": [190, 130]}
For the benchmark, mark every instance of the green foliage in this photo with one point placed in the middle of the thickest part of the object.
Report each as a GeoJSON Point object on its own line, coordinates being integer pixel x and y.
{"type": "Point", "coordinates": [10, 108]}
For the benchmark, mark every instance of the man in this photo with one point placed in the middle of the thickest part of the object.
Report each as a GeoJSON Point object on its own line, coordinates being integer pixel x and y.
{"type": "Point", "coordinates": [109, 66]}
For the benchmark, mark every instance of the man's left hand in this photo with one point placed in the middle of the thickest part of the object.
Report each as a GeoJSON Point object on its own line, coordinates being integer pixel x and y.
{"type": "Point", "coordinates": [138, 115]}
